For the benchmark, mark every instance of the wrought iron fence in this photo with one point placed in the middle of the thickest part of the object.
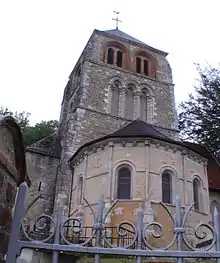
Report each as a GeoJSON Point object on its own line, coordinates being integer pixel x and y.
{"type": "Point", "coordinates": [126, 239]}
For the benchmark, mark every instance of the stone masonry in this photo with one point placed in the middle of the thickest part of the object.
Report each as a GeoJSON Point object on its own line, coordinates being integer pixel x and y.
{"type": "Point", "coordinates": [85, 115]}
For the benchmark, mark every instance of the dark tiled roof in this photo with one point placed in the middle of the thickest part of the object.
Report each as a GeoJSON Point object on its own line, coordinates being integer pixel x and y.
{"type": "Point", "coordinates": [134, 129]}
{"type": "Point", "coordinates": [122, 35]}
{"type": "Point", "coordinates": [138, 128]}
{"type": "Point", "coordinates": [49, 146]}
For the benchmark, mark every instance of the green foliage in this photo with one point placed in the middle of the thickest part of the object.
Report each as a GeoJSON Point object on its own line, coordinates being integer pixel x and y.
{"type": "Point", "coordinates": [20, 117]}
{"type": "Point", "coordinates": [199, 117]}
{"type": "Point", "coordinates": [31, 134]}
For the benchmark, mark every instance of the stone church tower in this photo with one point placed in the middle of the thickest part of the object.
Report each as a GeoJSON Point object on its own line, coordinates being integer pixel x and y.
{"type": "Point", "coordinates": [116, 79]}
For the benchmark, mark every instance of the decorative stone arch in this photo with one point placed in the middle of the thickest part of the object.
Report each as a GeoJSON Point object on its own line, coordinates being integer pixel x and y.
{"type": "Point", "coordinates": [130, 99]}
{"type": "Point", "coordinates": [200, 194]}
{"type": "Point", "coordinates": [116, 168]}
{"type": "Point", "coordinates": [174, 180]}
{"type": "Point", "coordinates": [152, 62]}
{"type": "Point", "coordinates": [147, 102]}
{"type": "Point", "coordinates": [116, 47]}
{"type": "Point", "coordinates": [115, 96]}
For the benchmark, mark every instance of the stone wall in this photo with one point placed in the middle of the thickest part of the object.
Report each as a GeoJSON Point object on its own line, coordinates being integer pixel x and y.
{"type": "Point", "coordinates": [8, 188]}
{"type": "Point", "coordinates": [11, 158]}
{"type": "Point", "coordinates": [85, 111]}
{"type": "Point", "coordinates": [43, 172]}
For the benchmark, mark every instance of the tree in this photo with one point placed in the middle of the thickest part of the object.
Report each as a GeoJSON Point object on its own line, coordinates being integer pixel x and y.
{"type": "Point", "coordinates": [20, 117]}
{"type": "Point", "coordinates": [199, 117]}
{"type": "Point", "coordinates": [31, 134]}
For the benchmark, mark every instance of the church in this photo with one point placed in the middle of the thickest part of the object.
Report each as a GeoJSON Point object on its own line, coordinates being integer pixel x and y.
{"type": "Point", "coordinates": [118, 135]}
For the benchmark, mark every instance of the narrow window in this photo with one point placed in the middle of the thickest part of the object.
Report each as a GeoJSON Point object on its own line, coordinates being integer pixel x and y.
{"type": "Point", "coordinates": [119, 58]}
{"type": "Point", "coordinates": [166, 188]}
{"type": "Point", "coordinates": [115, 99]}
{"type": "Point", "coordinates": [146, 71]}
{"type": "Point", "coordinates": [39, 186]}
{"type": "Point", "coordinates": [80, 189]}
{"type": "Point", "coordinates": [138, 65]}
{"type": "Point", "coordinates": [124, 183]}
{"type": "Point", "coordinates": [143, 101]}
{"type": "Point", "coordinates": [196, 186]}
{"type": "Point", "coordinates": [110, 59]}
{"type": "Point", "coordinates": [129, 103]}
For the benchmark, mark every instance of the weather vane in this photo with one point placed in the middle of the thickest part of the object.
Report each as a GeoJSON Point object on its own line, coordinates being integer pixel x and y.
{"type": "Point", "coordinates": [116, 19]}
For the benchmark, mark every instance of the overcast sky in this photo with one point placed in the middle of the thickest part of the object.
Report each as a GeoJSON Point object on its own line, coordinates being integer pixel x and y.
{"type": "Point", "coordinates": [41, 41]}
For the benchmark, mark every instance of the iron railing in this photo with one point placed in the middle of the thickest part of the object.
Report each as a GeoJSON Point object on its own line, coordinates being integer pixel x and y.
{"type": "Point", "coordinates": [127, 239]}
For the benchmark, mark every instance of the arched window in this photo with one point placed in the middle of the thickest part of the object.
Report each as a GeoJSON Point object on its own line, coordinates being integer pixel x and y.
{"type": "Point", "coordinates": [143, 102]}
{"type": "Point", "coordinates": [145, 64]}
{"type": "Point", "coordinates": [124, 183]}
{"type": "Point", "coordinates": [80, 189]}
{"type": "Point", "coordinates": [119, 58]}
{"type": "Point", "coordinates": [110, 59]}
{"type": "Point", "coordinates": [146, 67]}
{"type": "Point", "coordinates": [115, 98]}
{"type": "Point", "coordinates": [196, 193]}
{"type": "Point", "coordinates": [129, 105]}
{"type": "Point", "coordinates": [115, 55]}
{"type": "Point", "coordinates": [138, 65]}
{"type": "Point", "coordinates": [167, 187]}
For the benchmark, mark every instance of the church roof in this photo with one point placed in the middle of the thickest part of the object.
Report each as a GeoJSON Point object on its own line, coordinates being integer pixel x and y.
{"type": "Point", "coordinates": [122, 35]}
{"type": "Point", "coordinates": [134, 129]}
{"type": "Point", "coordinates": [138, 128]}
{"type": "Point", "coordinates": [49, 146]}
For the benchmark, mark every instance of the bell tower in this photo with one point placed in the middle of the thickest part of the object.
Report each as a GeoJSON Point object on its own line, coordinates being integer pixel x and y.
{"type": "Point", "coordinates": [117, 79]}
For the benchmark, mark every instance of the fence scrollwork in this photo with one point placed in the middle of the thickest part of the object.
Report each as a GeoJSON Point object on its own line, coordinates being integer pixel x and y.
{"type": "Point", "coordinates": [124, 234]}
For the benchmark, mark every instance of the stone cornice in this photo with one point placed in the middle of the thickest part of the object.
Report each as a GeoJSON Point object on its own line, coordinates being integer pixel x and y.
{"type": "Point", "coordinates": [138, 142]}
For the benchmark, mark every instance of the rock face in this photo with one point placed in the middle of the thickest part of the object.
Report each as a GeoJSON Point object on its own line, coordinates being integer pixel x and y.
{"type": "Point", "coordinates": [12, 172]}
{"type": "Point", "coordinates": [102, 95]}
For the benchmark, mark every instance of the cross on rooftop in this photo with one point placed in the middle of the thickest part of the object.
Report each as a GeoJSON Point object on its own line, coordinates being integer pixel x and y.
{"type": "Point", "coordinates": [116, 19]}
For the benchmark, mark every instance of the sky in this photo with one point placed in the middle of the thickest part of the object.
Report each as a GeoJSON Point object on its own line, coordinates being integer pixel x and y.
{"type": "Point", "coordinates": [41, 40]}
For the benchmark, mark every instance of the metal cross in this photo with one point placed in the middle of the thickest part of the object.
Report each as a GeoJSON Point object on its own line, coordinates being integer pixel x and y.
{"type": "Point", "coordinates": [116, 19]}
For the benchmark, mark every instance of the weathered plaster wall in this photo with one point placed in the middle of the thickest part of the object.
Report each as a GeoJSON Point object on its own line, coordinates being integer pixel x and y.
{"type": "Point", "coordinates": [148, 159]}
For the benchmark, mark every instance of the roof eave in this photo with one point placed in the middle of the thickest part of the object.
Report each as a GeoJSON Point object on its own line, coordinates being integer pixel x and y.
{"type": "Point", "coordinates": [132, 136]}
{"type": "Point", "coordinates": [145, 46]}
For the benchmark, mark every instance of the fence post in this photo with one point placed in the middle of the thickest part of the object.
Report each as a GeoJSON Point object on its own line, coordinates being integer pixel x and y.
{"type": "Point", "coordinates": [179, 227]}
{"type": "Point", "coordinates": [98, 226]}
{"type": "Point", "coordinates": [18, 216]}
{"type": "Point", "coordinates": [216, 228]}
{"type": "Point", "coordinates": [59, 219]}
{"type": "Point", "coordinates": [139, 231]}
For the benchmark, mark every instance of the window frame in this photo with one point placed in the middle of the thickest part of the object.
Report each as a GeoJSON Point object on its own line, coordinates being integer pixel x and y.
{"type": "Point", "coordinates": [196, 196]}
{"type": "Point", "coordinates": [170, 185]}
{"type": "Point", "coordinates": [128, 177]}
{"type": "Point", "coordinates": [114, 183]}
{"type": "Point", "coordinates": [80, 193]}
{"type": "Point", "coordinates": [115, 60]}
